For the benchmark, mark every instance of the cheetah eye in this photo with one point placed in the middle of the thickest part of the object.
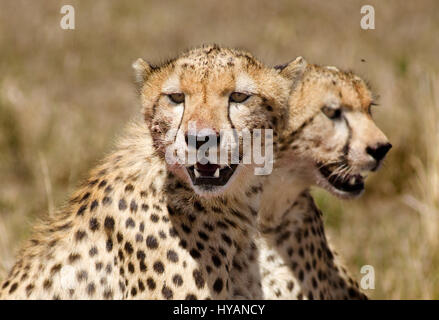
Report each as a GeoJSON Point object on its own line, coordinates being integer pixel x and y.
{"type": "Point", "coordinates": [238, 97]}
{"type": "Point", "coordinates": [176, 97]}
{"type": "Point", "coordinates": [332, 113]}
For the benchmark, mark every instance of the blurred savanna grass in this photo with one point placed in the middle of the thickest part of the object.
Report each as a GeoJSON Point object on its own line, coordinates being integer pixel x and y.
{"type": "Point", "coordinates": [65, 95]}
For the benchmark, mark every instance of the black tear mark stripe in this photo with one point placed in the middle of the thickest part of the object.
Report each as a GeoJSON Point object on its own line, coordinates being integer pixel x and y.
{"type": "Point", "coordinates": [154, 107]}
{"type": "Point", "coordinates": [228, 108]}
{"type": "Point", "coordinates": [346, 146]}
{"type": "Point", "coordinates": [229, 118]}
{"type": "Point", "coordinates": [184, 109]}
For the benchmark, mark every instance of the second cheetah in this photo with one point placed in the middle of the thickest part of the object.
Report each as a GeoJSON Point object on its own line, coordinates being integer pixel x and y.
{"type": "Point", "coordinates": [331, 141]}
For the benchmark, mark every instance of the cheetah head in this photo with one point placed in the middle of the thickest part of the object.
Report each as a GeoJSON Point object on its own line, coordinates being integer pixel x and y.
{"type": "Point", "coordinates": [192, 99]}
{"type": "Point", "coordinates": [332, 139]}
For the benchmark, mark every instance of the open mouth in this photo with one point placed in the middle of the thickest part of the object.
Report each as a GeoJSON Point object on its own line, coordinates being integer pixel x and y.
{"type": "Point", "coordinates": [211, 174]}
{"type": "Point", "coordinates": [348, 183]}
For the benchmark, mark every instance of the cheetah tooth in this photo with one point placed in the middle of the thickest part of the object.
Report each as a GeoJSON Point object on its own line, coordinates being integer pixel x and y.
{"type": "Point", "coordinates": [216, 175]}
{"type": "Point", "coordinates": [197, 174]}
{"type": "Point", "coordinates": [352, 180]}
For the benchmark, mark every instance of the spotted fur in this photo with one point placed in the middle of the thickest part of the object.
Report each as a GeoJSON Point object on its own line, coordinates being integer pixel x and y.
{"type": "Point", "coordinates": [137, 228]}
{"type": "Point", "coordinates": [293, 256]}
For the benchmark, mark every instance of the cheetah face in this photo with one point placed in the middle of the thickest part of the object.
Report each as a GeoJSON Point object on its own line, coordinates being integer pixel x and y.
{"type": "Point", "coordinates": [202, 99]}
{"type": "Point", "coordinates": [335, 142]}
{"type": "Point", "coordinates": [363, 150]}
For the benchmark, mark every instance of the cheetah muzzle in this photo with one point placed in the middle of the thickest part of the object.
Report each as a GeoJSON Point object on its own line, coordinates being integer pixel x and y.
{"type": "Point", "coordinates": [351, 183]}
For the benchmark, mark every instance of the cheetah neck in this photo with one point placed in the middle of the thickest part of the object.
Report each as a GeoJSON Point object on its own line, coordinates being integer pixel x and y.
{"type": "Point", "coordinates": [281, 190]}
{"type": "Point", "coordinates": [293, 244]}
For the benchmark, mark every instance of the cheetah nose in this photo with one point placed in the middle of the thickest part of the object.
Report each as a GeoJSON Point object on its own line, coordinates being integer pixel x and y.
{"type": "Point", "coordinates": [379, 152]}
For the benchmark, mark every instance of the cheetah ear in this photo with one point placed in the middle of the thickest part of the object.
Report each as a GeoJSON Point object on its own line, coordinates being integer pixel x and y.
{"type": "Point", "coordinates": [142, 70]}
{"type": "Point", "coordinates": [293, 70]}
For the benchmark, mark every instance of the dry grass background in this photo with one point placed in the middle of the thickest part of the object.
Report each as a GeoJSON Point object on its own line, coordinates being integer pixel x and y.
{"type": "Point", "coordinates": [64, 95]}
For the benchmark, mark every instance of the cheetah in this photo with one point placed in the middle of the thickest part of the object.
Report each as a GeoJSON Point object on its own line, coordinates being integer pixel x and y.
{"type": "Point", "coordinates": [141, 228]}
{"type": "Point", "coordinates": [330, 142]}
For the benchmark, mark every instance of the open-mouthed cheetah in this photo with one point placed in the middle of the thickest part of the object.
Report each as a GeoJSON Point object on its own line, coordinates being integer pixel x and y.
{"type": "Point", "coordinates": [331, 141]}
{"type": "Point", "coordinates": [140, 227]}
